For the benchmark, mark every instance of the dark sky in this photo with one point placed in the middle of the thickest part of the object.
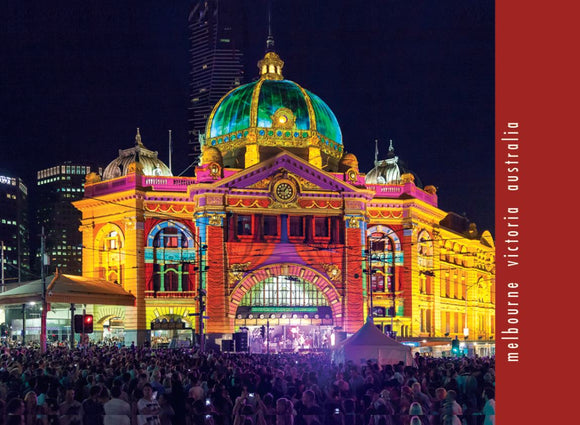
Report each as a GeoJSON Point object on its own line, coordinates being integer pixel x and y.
{"type": "Point", "coordinates": [77, 78]}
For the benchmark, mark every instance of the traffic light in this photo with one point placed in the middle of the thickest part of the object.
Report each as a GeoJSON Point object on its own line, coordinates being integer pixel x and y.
{"type": "Point", "coordinates": [263, 331]}
{"type": "Point", "coordinates": [83, 323]}
{"type": "Point", "coordinates": [78, 323]}
{"type": "Point", "coordinates": [88, 323]}
{"type": "Point", "coordinates": [455, 346]}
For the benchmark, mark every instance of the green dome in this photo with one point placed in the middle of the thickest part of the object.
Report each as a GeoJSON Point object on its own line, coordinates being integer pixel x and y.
{"type": "Point", "coordinates": [255, 104]}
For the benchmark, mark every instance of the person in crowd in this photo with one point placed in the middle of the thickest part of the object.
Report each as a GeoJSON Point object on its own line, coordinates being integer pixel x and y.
{"type": "Point", "coordinates": [70, 410]}
{"type": "Point", "coordinates": [117, 410]}
{"type": "Point", "coordinates": [284, 412]}
{"type": "Point", "coordinates": [308, 411]}
{"type": "Point", "coordinates": [93, 411]}
{"type": "Point", "coordinates": [32, 410]}
{"type": "Point", "coordinates": [15, 410]}
{"type": "Point", "coordinates": [148, 407]}
{"type": "Point", "coordinates": [51, 416]}
{"type": "Point", "coordinates": [489, 407]}
{"type": "Point", "coordinates": [166, 411]}
{"type": "Point", "coordinates": [436, 411]}
{"type": "Point", "coordinates": [451, 409]}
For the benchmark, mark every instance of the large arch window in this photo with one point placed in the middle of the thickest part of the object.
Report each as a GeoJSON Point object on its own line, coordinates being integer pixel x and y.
{"type": "Point", "coordinates": [110, 245]}
{"type": "Point", "coordinates": [170, 254]}
{"type": "Point", "coordinates": [386, 253]}
{"type": "Point", "coordinates": [284, 291]}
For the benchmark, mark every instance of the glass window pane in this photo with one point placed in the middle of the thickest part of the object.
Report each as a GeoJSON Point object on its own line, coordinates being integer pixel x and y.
{"type": "Point", "coordinates": [321, 226]}
{"type": "Point", "coordinates": [296, 226]}
{"type": "Point", "coordinates": [270, 225]}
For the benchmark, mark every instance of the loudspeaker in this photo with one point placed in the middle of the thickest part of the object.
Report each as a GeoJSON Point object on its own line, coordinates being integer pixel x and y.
{"type": "Point", "coordinates": [227, 345]}
{"type": "Point", "coordinates": [241, 341]}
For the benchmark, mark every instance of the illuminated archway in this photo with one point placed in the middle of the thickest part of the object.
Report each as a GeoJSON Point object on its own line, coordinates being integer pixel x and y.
{"type": "Point", "coordinates": [317, 291]}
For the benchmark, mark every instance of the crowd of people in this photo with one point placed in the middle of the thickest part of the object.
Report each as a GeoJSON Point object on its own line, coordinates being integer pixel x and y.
{"type": "Point", "coordinates": [110, 385]}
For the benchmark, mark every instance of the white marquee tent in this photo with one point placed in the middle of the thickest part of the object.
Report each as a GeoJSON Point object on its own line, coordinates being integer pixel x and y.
{"type": "Point", "coordinates": [369, 343]}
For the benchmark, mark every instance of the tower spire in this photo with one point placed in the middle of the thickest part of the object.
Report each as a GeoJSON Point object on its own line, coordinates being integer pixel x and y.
{"type": "Point", "coordinates": [376, 151]}
{"type": "Point", "coordinates": [391, 153]}
{"type": "Point", "coordinates": [138, 139]}
{"type": "Point", "coordinates": [271, 65]}
{"type": "Point", "coordinates": [270, 39]}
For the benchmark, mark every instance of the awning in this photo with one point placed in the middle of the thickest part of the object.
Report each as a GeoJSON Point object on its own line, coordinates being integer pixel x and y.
{"type": "Point", "coordinates": [69, 289]}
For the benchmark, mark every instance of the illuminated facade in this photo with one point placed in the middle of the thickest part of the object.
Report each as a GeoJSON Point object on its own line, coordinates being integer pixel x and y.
{"type": "Point", "coordinates": [278, 227]}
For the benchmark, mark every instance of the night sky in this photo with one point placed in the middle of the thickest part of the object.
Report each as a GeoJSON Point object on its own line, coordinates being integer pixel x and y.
{"type": "Point", "coordinates": [76, 81]}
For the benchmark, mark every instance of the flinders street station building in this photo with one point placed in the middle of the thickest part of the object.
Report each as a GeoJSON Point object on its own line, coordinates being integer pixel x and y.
{"type": "Point", "coordinates": [280, 236]}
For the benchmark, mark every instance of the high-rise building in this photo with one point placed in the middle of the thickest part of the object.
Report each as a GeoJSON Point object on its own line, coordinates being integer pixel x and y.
{"type": "Point", "coordinates": [57, 187]}
{"type": "Point", "coordinates": [217, 42]}
{"type": "Point", "coordinates": [14, 229]}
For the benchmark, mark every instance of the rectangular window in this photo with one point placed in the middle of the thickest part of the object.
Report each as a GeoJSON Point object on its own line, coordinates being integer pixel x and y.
{"type": "Point", "coordinates": [378, 245]}
{"type": "Point", "coordinates": [244, 225]}
{"type": "Point", "coordinates": [321, 227]}
{"type": "Point", "coordinates": [270, 225]}
{"type": "Point", "coordinates": [170, 241]}
{"type": "Point", "coordinates": [296, 227]}
{"type": "Point", "coordinates": [378, 281]}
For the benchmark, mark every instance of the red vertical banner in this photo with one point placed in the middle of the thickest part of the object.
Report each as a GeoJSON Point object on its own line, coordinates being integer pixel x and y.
{"type": "Point", "coordinates": [536, 109]}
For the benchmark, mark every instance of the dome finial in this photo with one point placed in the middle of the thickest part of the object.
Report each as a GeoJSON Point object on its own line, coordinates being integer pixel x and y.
{"type": "Point", "coordinates": [138, 138]}
{"type": "Point", "coordinates": [376, 151]}
{"type": "Point", "coordinates": [271, 65]}
{"type": "Point", "coordinates": [391, 153]}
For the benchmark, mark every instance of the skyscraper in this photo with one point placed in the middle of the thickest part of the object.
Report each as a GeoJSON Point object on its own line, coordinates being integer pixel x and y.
{"type": "Point", "coordinates": [14, 229]}
{"type": "Point", "coordinates": [57, 187]}
{"type": "Point", "coordinates": [217, 43]}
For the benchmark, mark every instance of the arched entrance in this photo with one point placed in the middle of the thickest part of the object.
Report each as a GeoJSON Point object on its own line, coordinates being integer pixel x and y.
{"type": "Point", "coordinates": [110, 320]}
{"type": "Point", "coordinates": [286, 307]}
{"type": "Point", "coordinates": [170, 326]}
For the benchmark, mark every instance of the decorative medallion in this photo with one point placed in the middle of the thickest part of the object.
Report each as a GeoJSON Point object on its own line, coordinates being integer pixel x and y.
{"type": "Point", "coordinates": [215, 170]}
{"type": "Point", "coordinates": [237, 271]}
{"type": "Point", "coordinates": [351, 175]}
{"type": "Point", "coordinates": [214, 219]}
{"type": "Point", "coordinates": [353, 222]}
{"type": "Point", "coordinates": [283, 118]}
{"type": "Point", "coordinates": [333, 272]}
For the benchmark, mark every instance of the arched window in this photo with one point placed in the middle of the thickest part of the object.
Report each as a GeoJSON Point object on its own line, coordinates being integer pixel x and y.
{"type": "Point", "coordinates": [284, 291]}
{"type": "Point", "coordinates": [171, 253]}
{"type": "Point", "coordinates": [170, 237]}
{"type": "Point", "coordinates": [110, 245]}
{"type": "Point", "coordinates": [385, 247]}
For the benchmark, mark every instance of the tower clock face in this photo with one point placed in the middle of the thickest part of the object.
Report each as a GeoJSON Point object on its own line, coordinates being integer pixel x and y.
{"type": "Point", "coordinates": [284, 191]}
